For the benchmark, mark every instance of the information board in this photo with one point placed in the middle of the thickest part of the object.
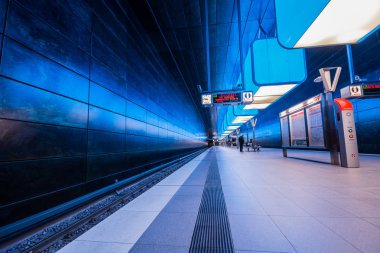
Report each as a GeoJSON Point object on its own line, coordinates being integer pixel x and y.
{"type": "Point", "coordinates": [371, 89]}
{"type": "Point", "coordinates": [315, 126]}
{"type": "Point", "coordinates": [223, 98]}
{"type": "Point", "coordinates": [297, 129]}
{"type": "Point", "coordinates": [285, 131]}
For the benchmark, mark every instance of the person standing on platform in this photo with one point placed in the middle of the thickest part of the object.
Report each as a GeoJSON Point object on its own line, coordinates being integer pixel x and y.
{"type": "Point", "coordinates": [241, 142]}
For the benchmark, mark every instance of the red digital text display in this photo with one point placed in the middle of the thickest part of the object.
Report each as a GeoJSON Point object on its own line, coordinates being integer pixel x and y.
{"type": "Point", "coordinates": [371, 89]}
{"type": "Point", "coordinates": [227, 98]}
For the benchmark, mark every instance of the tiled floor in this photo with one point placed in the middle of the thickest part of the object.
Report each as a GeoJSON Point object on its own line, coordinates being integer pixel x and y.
{"type": "Point", "coordinates": [274, 204]}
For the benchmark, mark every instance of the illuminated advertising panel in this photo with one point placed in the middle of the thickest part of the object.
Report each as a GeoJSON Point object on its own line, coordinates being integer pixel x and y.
{"type": "Point", "coordinates": [315, 126]}
{"type": "Point", "coordinates": [304, 104]}
{"type": "Point", "coordinates": [285, 131]}
{"type": "Point", "coordinates": [298, 129]}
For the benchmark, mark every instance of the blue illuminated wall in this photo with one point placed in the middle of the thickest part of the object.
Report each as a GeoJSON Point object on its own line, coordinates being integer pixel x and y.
{"type": "Point", "coordinates": [367, 111]}
{"type": "Point", "coordinates": [85, 99]}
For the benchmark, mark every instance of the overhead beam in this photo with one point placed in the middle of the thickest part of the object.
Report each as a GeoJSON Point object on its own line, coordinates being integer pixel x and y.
{"type": "Point", "coordinates": [240, 46]}
{"type": "Point", "coordinates": [207, 47]}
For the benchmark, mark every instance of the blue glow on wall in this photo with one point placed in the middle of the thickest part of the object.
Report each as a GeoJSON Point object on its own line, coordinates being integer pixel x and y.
{"type": "Point", "coordinates": [80, 105]}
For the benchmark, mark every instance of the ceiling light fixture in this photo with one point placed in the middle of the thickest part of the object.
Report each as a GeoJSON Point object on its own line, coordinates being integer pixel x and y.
{"type": "Point", "coordinates": [274, 90]}
{"type": "Point", "coordinates": [256, 106]}
{"type": "Point", "coordinates": [241, 119]}
{"type": "Point", "coordinates": [342, 22]}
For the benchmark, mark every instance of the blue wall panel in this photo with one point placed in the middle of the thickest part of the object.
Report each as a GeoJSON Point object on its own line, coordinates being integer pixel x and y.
{"type": "Point", "coordinates": [151, 131]}
{"type": "Point", "coordinates": [39, 36]}
{"type": "Point", "coordinates": [36, 177]}
{"type": "Point", "coordinates": [100, 119]}
{"type": "Point", "coordinates": [136, 127]}
{"type": "Point", "coordinates": [27, 103]}
{"type": "Point", "coordinates": [39, 141]}
{"type": "Point", "coordinates": [104, 165]}
{"type": "Point", "coordinates": [103, 75]}
{"type": "Point", "coordinates": [135, 111]}
{"type": "Point", "coordinates": [106, 99]}
{"type": "Point", "coordinates": [24, 65]}
{"type": "Point", "coordinates": [3, 8]}
{"type": "Point", "coordinates": [100, 142]}
{"type": "Point", "coordinates": [136, 143]}
{"type": "Point", "coordinates": [68, 18]}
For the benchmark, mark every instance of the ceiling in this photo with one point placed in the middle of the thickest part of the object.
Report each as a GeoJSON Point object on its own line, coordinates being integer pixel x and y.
{"type": "Point", "coordinates": [178, 29]}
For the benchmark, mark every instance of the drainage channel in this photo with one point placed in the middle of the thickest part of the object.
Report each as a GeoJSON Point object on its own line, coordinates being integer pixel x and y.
{"type": "Point", "coordinates": [212, 229]}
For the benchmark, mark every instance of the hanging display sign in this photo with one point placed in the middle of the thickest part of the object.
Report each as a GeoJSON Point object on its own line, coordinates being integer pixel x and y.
{"type": "Point", "coordinates": [222, 98]}
{"type": "Point", "coordinates": [227, 98]}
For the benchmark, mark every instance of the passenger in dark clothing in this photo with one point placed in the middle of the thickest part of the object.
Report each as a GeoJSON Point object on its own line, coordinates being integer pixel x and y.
{"type": "Point", "coordinates": [241, 142]}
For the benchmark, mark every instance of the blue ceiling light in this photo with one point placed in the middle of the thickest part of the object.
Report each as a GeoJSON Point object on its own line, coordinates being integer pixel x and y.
{"type": "Point", "coordinates": [273, 64]}
{"type": "Point", "coordinates": [302, 23]}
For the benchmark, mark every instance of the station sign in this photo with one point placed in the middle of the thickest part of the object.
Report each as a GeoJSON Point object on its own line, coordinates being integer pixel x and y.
{"type": "Point", "coordinates": [247, 97]}
{"type": "Point", "coordinates": [206, 99]}
{"type": "Point", "coordinates": [351, 91]}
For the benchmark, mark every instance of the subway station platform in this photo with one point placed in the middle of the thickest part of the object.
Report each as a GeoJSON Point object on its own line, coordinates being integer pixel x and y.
{"type": "Point", "coordinates": [227, 201]}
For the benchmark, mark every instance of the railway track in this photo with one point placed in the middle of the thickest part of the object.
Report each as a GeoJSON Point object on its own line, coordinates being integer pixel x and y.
{"type": "Point", "coordinates": [57, 234]}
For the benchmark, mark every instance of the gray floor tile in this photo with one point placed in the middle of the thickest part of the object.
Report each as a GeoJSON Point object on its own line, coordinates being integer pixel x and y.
{"type": "Point", "coordinates": [162, 190]}
{"type": "Point", "coordinates": [121, 227]}
{"type": "Point", "coordinates": [243, 205]}
{"type": "Point", "coordinates": [235, 190]}
{"type": "Point", "coordinates": [145, 248]}
{"type": "Point", "coordinates": [293, 192]}
{"type": "Point", "coordinates": [184, 204]}
{"type": "Point", "coordinates": [95, 247]}
{"type": "Point", "coordinates": [258, 251]}
{"type": "Point", "coordinates": [358, 232]}
{"type": "Point", "coordinates": [148, 203]}
{"type": "Point", "coordinates": [358, 208]}
{"type": "Point", "coordinates": [190, 190]}
{"type": "Point", "coordinates": [257, 233]}
{"type": "Point", "coordinates": [174, 229]}
{"type": "Point", "coordinates": [281, 207]}
{"type": "Point", "coordinates": [321, 208]}
{"type": "Point", "coordinates": [374, 221]}
{"type": "Point", "coordinates": [358, 193]}
{"type": "Point", "coordinates": [309, 236]}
